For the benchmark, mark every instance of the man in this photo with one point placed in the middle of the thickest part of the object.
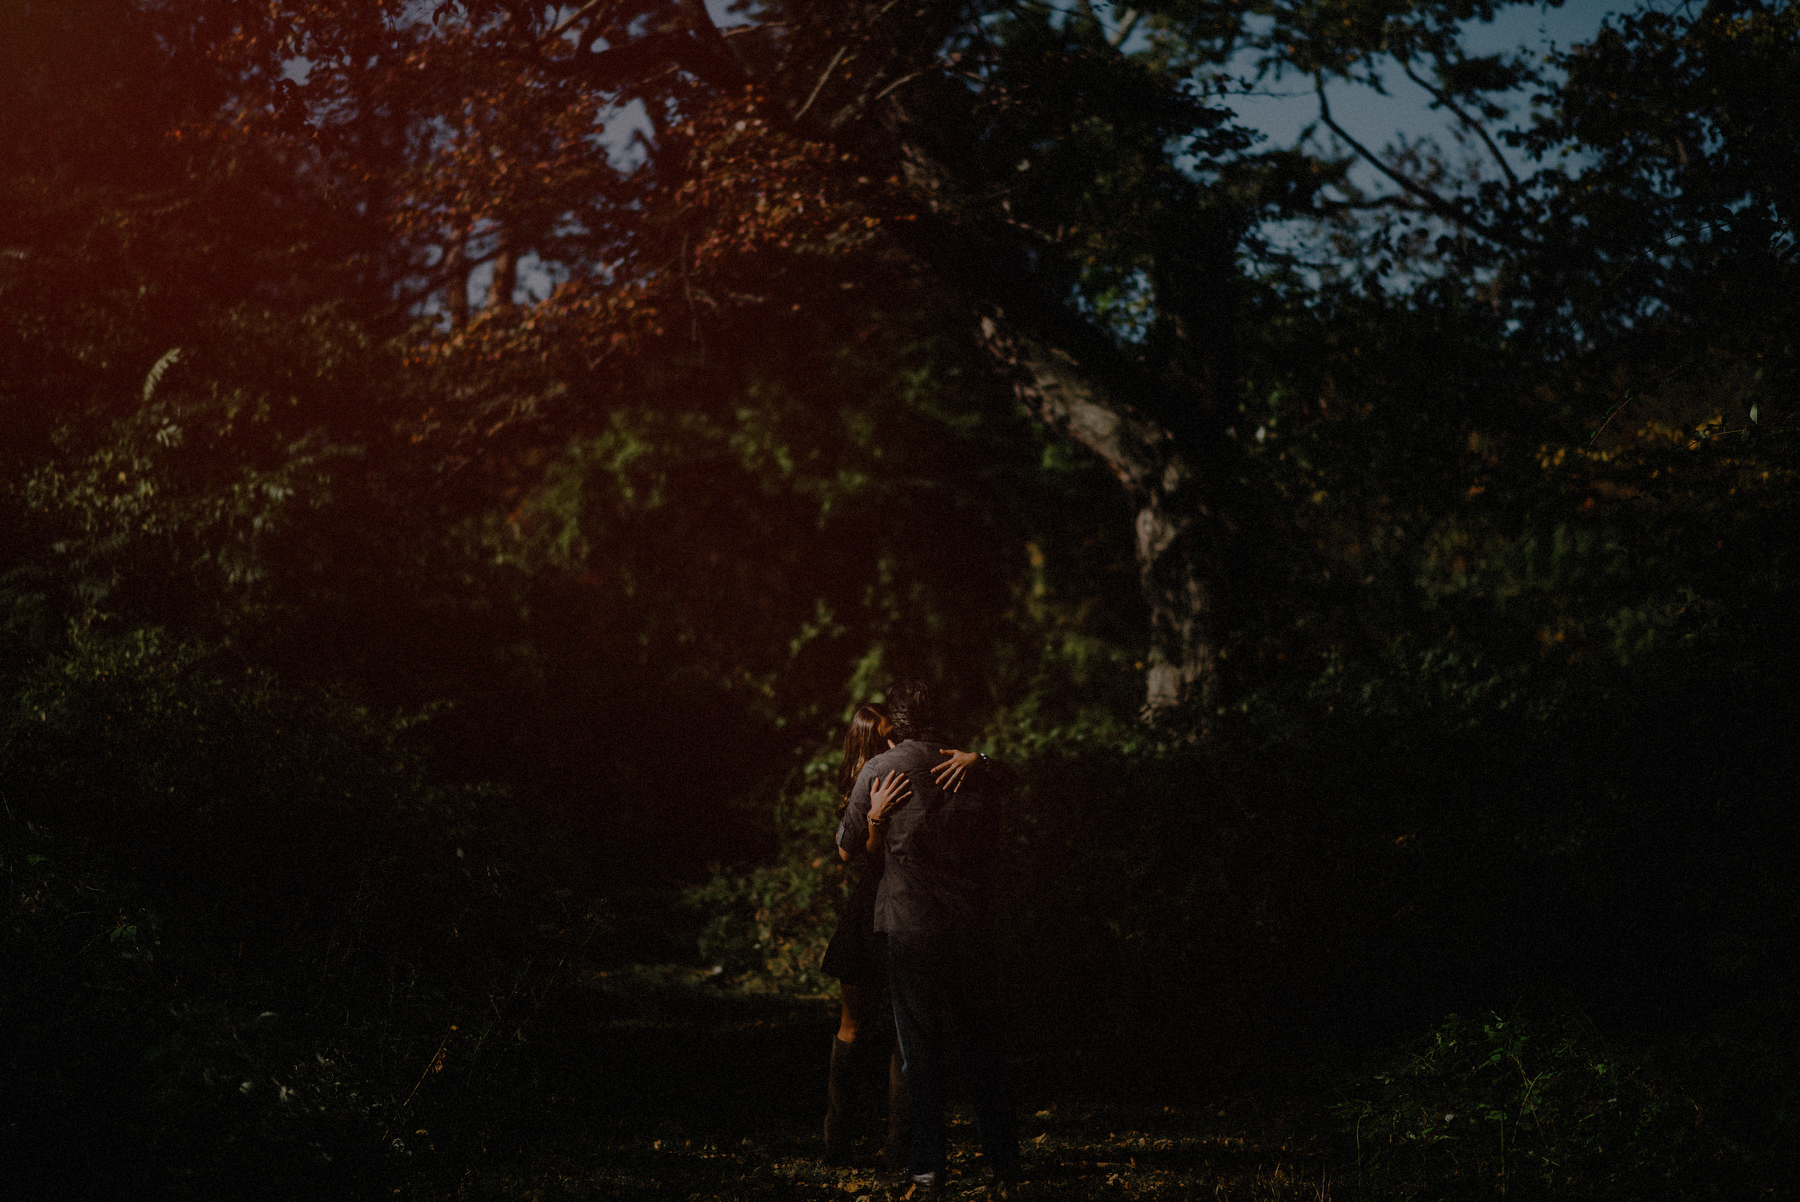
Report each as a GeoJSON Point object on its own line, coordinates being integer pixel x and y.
{"type": "Point", "coordinates": [935, 906]}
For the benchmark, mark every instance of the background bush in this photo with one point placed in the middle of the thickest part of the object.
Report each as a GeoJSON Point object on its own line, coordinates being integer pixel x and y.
{"type": "Point", "coordinates": [1503, 1106]}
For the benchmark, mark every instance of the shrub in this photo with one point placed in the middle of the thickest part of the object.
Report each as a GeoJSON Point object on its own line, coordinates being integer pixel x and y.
{"type": "Point", "coordinates": [770, 924]}
{"type": "Point", "coordinates": [1506, 1106]}
{"type": "Point", "coordinates": [209, 783]}
{"type": "Point", "coordinates": [207, 872]}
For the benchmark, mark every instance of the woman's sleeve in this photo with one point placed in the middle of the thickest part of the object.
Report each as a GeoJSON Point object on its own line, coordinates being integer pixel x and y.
{"type": "Point", "coordinates": [853, 828]}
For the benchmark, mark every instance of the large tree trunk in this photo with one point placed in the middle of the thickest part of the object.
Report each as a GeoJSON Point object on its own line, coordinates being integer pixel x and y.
{"type": "Point", "coordinates": [1171, 514]}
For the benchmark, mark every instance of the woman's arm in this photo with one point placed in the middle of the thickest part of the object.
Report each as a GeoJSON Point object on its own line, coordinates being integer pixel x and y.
{"type": "Point", "coordinates": [853, 831]}
{"type": "Point", "coordinates": [884, 795]}
{"type": "Point", "coordinates": [949, 774]}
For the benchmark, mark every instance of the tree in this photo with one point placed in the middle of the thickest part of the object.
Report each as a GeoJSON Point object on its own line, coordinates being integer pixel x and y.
{"type": "Point", "coordinates": [1057, 182]}
{"type": "Point", "coordinates": [1065, 189]}
{"type": "Point", "coordinates": [1022, 169]}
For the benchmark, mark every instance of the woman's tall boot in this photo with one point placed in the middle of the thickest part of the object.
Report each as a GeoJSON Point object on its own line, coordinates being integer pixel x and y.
{"type": "Point", "coordinates": [840, 1102]}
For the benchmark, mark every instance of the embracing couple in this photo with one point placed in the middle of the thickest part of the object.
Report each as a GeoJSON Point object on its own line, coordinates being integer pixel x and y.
{"type": "Point", "coordinates": [918, 927]}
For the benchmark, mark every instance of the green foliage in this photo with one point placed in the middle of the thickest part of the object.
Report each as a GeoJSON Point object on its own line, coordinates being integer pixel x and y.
{"type": "Point", "coordinates": [769, 924]}
{"type": "Point", "coordinates": [830, 502]}
{"type": "Point", "coordinates": [192, 768]}
{"type": "Point", "coordinates": [171, 818]}
{"type": "Point", "coordinates": [1507, 1107]}
{"type": "Point", "coordinates": [185, 493]}
{"type": "Point", "coordinates": [197, 1092]}
{"type": "Point", "coordinates": [242, 915]}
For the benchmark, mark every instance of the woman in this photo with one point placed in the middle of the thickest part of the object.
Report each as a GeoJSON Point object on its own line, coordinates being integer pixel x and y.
{"type": "Point", "coordinates": [857, 955]}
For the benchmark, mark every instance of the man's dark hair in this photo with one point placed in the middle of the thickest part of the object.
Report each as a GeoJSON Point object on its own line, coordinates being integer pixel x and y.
{"type": "Point", "coordinates": [912, 708]}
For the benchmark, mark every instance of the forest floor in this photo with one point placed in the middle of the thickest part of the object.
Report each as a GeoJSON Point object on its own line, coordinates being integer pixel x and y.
{"type": "Point", "coordinates": [657, 1083]}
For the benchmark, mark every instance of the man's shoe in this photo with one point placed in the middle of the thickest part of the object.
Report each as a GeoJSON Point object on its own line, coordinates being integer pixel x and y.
{"type": "Point", "coordinates": [917, 1185]}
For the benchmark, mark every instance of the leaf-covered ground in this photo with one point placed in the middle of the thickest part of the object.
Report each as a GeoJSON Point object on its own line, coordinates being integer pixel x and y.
{"type": "Point", "coordinates": [654, 1084]}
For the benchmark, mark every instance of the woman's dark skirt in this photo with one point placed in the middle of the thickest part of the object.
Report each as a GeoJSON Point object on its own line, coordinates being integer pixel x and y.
{"type": "Point", "coordinates": [857, 955]}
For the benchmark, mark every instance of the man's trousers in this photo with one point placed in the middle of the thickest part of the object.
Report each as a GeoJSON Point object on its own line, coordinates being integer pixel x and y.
{"type": "Point", "coordinates": [935, 981]}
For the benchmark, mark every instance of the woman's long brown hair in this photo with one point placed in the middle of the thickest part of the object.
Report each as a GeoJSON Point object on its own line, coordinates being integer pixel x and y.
{"type": "Point", "coordinates": [862, 743]}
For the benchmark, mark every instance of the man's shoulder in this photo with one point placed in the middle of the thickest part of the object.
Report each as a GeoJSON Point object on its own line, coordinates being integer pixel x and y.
{"type": "Point", "coordinates": [877, 765]}
{"type": "Point", "coordinates": [909, 756]}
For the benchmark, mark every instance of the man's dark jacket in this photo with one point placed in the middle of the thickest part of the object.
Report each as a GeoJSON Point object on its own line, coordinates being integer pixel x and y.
{"type": "Point", "coordinates": [941, 847]}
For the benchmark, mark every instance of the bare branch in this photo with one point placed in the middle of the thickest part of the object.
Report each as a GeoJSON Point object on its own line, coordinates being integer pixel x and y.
{"type": "Point", "coordinates": [1443, 98]}
{"type": "Point", "coordinates": [1126, 24]}
{"type": "Point", "coordinates": [882, 95]}
{"type": "Point", "coordinates": [563, 26]}
{"type": "Point", "coordinates": [456, 279]}
{"type": "Point", "coordinates": [829, 68]}
{"type": "Point", "coordinates": [1446, 209]}
{"type": "Point", "coordinates": [1395, 203]}
{"type": "Point", "coordinates": [645, 58]}
{"type": "Point", "coordinates": [701, 22]}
